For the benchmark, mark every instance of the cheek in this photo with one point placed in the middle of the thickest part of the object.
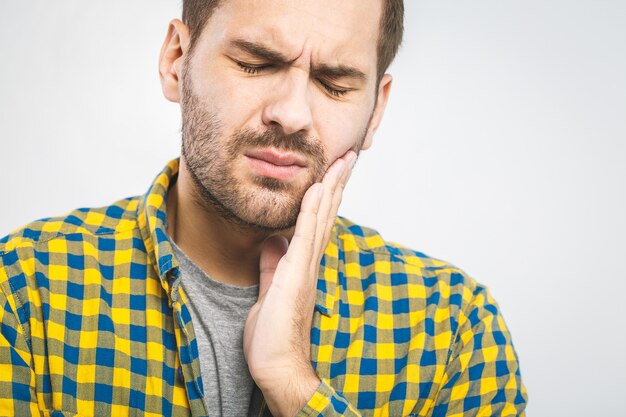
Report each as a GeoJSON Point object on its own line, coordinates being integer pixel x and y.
{"type": "Point", "coordinates": [340, 131]}
{"type": "Point", "coordinates": [230, 99]}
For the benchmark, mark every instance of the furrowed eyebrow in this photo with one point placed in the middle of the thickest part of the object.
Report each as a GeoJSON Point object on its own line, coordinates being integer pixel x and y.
{"type": "Point", "coordinates": [260, 51]}
{"type": "Point", "coordinates": [324, 70]}
{"type": "Point", "coordinates": [340, 71]}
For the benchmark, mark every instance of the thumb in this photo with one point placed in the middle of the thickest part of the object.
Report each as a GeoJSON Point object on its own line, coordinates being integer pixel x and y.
{"type": "Point", "coordinates": [272, 251]}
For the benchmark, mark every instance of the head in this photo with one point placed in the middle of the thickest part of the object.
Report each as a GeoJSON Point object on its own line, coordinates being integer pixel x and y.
{"type": "Point", "coordinates": [274, 91]}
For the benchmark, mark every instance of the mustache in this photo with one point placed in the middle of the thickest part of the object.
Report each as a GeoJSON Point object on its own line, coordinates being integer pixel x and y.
{"type": "Point", "coordinates": [273, 137]}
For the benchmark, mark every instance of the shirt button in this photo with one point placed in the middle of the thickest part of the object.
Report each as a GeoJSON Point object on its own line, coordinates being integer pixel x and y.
{"type": "Point", "coordinates": [180, 374]}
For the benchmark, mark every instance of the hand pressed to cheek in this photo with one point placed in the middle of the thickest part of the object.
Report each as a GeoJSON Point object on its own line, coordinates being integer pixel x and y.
{"type": "Point", "coordinates": [280, 364]}
{"type": "Point", "coordinates": [312, 232]}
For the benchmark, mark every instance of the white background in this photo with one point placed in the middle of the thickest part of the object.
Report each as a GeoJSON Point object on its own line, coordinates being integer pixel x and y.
{"type": "Point", "coordinates": [503, 151]}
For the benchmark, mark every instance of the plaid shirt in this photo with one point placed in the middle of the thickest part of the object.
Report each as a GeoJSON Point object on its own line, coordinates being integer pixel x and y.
{"type": "Point", "coordinates": [95, 323]}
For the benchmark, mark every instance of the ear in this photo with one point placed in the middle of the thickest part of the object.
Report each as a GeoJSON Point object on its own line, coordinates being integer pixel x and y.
{"type": "Point", "coordinates": [172, 57]}
{"type": "Point", "coordinates": [384, 87]}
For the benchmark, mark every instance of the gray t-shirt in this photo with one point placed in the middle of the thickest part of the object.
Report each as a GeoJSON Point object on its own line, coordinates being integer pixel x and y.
{"type": "Point", "coordinates": [218, 313]}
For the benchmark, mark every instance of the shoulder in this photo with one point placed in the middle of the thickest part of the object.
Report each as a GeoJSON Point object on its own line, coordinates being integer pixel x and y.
{"type": "Point", "coordinates": [368, 242]}
{"type": "Point", "coordinates": [406, 282]}
{"type": "Point", "coordinates": [80, 223]}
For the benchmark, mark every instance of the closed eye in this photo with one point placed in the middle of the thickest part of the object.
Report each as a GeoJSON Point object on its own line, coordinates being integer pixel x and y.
{"type": "Point", "coordinates": [251, 69]}
{"type": "Point", "coordinates": [332, 90]}
{"type": "Point", "coordinates": [255, 69]}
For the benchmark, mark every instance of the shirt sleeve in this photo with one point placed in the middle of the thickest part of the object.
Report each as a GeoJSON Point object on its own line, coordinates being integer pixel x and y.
{"type": "Point", "coordinates": [17, 379]}
{"type": "Point", "coordinates": [327, 402]}
{"type": "Point", "coordinates": [482, 377]}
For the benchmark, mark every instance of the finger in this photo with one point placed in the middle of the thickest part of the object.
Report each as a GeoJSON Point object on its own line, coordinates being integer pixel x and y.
{"type": "Point", "coordinates": [329, 183]}
{"type": "Point", "coordinates": [327, 217]}
{"type": "Point", "coordinates": [336, 200]}
{"type": "Point", "coordinates": [301, 248]}
{"type": "Point", "coordinates": [272, 250]}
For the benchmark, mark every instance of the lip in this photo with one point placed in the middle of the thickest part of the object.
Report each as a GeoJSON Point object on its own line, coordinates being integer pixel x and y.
{"type": "Point", "coordinates": [283, 166]}
{"type": "Point", "coordinates": [274, 157]}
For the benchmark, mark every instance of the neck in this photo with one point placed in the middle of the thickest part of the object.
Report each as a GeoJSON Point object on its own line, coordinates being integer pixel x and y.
{"type": "Point", "coordinates": [226, 251]}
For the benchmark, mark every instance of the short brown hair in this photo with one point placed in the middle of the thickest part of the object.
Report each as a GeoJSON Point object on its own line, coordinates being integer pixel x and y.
{"type": "Point", "coordinates": [197, 12]}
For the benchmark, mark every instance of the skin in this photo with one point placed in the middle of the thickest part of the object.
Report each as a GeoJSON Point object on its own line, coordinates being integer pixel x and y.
{"type": "Point", "coordinates": [293, 98]}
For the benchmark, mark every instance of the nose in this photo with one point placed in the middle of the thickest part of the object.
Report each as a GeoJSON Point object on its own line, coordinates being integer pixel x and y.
{"type": "Point", "coordinates": [289, 104]}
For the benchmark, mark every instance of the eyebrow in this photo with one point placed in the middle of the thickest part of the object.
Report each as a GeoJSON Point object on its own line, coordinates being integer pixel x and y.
{"type": "Point", "coordinates": [339, 71]}
{"type": "Point", "coordinates": [268, 54]}
{"type": "Point", "coordinates": [260, 51]}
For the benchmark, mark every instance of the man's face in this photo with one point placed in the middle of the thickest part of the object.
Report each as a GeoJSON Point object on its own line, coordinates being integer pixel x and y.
{"type": "Point", "coordinates": [274, 92]}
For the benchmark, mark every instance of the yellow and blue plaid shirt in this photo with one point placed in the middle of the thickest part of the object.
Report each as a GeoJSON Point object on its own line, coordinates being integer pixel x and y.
{"type": "Point", "coordinates": [95, 323]}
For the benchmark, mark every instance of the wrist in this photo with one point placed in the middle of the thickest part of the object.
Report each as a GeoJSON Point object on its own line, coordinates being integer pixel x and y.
{"type": "Point", "coordinates": [286, 396]}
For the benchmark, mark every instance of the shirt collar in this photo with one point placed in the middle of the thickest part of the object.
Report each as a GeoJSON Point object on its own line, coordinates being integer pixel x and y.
{"type": "Point", "coordinates": [152, 218]}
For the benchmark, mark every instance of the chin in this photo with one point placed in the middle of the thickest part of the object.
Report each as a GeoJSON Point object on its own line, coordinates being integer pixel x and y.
{"type": "Point", "coordinates": [269, 209]}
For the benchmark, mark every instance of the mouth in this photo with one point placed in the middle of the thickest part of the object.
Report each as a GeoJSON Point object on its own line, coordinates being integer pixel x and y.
{"type": "Point", "coordinates": [272, 163]}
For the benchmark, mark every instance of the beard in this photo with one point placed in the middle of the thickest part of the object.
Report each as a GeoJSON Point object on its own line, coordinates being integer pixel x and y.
{"type": "Point", "coordinates": [262, 203]}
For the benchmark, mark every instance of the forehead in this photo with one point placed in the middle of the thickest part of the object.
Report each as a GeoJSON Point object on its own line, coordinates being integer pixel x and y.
{"type": "Point", "coordinates": [335, 30]}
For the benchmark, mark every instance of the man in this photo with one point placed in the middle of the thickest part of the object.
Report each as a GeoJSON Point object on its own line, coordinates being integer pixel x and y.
{"type": "Point", "coordinates": [231, 287]}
